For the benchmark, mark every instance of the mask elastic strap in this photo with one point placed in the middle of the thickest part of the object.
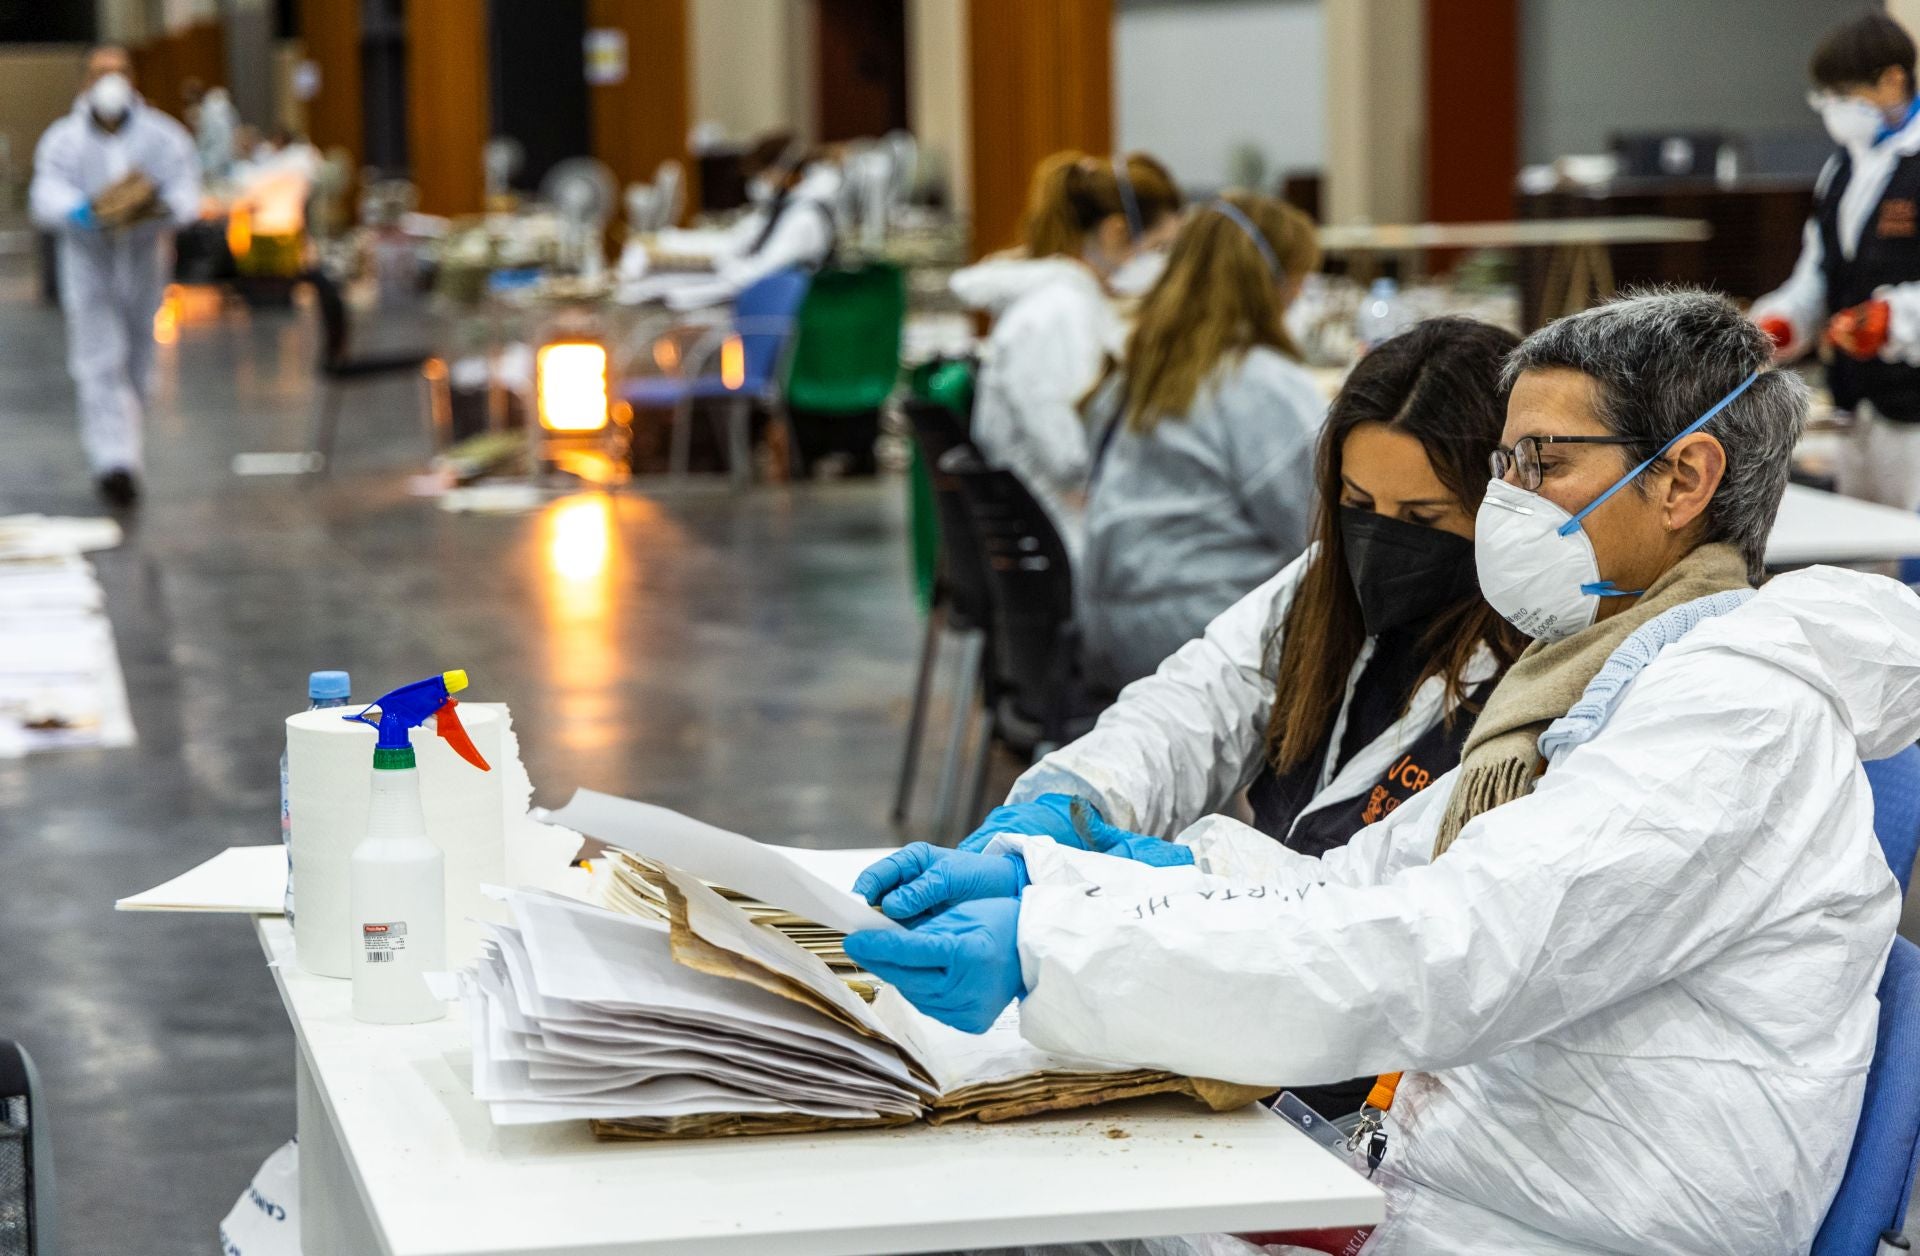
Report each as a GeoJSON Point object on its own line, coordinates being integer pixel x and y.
{"type": "Point", "coordinates": [1572, 525]}
{"type": "Point", "coordinates": [1129, 203]}
{"type": "Point", "coordinates": [1232, 213]}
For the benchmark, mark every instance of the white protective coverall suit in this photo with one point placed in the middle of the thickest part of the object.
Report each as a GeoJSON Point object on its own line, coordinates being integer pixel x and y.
{"type": "Point", "coordinates": [1182, 743]}
{"type": "Point", "coordinates": [111, 281]}
{"type": "Point", "coordinates": [1054, 330]}
{"type": "Point", "coordinates": [1636, 1007]}
{"type": "Point", "coordinates": [1185, 519]}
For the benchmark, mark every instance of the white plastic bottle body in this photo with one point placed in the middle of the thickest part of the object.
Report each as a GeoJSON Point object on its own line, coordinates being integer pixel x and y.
{"type": "Point", "coordinates": [398, 895]}
{"type": "Point", "coordinates": [286, 807]}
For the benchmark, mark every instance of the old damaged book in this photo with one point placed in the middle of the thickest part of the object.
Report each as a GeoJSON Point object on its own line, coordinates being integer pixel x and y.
{"type": "Point", "coordinates": [699, 1019]}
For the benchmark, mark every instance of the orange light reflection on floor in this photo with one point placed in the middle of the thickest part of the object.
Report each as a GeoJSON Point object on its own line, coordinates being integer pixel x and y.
{"type": "Point", "coordinates": [166, 319]}
{"type": "Point", "coordinates": [581, 657]}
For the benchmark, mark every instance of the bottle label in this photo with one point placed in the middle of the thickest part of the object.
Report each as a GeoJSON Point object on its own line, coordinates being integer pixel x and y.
{"type": "Point", "coordinates": [382, 943]}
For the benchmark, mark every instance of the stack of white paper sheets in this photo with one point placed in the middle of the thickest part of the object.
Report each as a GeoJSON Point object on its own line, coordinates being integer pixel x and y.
{"type": "Point", "coordinates": [60, 681]}
{"type": "Point", "coordinates": [582, 1012]}
{"type": "Point", "coordinates": [706, 1023]}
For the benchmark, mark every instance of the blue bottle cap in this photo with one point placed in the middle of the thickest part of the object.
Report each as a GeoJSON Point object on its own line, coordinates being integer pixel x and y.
{"type": "Point", "coordinates": [329, 685]}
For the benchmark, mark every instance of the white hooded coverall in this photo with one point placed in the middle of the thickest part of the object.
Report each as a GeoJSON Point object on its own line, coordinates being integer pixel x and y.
{"type": "Point", "coordinates": [1635, 1008]}
{"type": "Point", "coordinates": [111, 281]}
{"type": "Point", "coordinates": [1184, 520]}
{"type": "Point", "coordinates": [1055, 328]}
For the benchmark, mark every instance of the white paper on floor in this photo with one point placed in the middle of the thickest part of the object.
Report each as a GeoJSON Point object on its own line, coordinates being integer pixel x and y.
{"type": "Point", "coordinates": [60, 680]}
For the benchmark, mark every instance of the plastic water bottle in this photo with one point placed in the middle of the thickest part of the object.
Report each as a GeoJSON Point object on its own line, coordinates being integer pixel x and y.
{"type": "Point", "coordinates": [1382, 314]}
{"type": "Point", "coordinates": [324, 689]}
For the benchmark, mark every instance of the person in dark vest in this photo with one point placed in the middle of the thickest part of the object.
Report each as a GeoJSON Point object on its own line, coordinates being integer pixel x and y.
{"type": "Point", "coordinates": [1856, 288]}
{"type": "Point", "coordinates": [793, 221]}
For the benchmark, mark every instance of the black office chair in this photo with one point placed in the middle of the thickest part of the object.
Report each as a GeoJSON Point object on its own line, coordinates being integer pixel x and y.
{"type": "Point", "coordinates": [1035, 697]}
{"type": "Point", "coordinates": [339, 365]}
{"type": "Point", "coordinates": [26, 1159]}
{"type": "Point", "coordinates": [959, 611]}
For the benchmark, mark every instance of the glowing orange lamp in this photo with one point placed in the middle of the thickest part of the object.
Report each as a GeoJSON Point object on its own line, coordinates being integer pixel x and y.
{"type": "Point", "coordinates": [570, 384]}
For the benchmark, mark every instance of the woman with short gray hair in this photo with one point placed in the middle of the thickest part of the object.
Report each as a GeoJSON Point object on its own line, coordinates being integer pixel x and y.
{"type": "Point", "coordinates": [1626, 953]}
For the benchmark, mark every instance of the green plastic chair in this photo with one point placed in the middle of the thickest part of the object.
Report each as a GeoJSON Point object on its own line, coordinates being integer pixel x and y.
{"type": "Point", "coordinates": [846, 358]}
{"type": "Point", "coordinates": [948, 381]}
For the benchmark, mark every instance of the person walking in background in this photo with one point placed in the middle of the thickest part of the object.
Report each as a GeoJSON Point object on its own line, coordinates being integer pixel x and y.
{"type": "Point", "coordinates": [1202, 475]}
{"type": "Point", "coordinates": [112, 180]}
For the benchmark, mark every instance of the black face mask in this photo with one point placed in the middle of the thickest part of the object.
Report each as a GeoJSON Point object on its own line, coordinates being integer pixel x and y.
{"type": "Point", "coordinates": [1404, 573]}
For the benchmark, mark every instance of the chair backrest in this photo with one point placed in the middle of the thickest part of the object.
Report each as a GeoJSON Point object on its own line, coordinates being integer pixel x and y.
{"type": "Point", "coordinates": [963, 567]}
{"type": "Point", "coordinates": [846, 359]}
{"type": "Point", "coordinates": [669, 185]}
{"type": "Point", "coordinates": [1879, 1177]}
{"type": "Point", "coordinates": [949, 380]}
{"type": "Point", "coordinates": [765, 312]}
{"type": "Point", "coordinates": [1030, 587]}
{"type": "Point", "coordinates": [335, 331]}
{"type": "Point", "coordinates": [26, 1158]}
{"type": "Point", "coordinates": [1896, 809]}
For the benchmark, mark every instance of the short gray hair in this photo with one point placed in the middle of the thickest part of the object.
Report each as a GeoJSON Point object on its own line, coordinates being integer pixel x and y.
{"type": "Point", "coordinates": [1663, 358]}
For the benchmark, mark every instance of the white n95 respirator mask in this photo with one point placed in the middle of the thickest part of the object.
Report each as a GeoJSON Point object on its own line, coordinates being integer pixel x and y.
{"type": "Point", "coordinates": [1851, 122]}
{"type": "Point", "coordinates": [1536, 563]}
{"type": "Point", "coordinates": [110, 97]}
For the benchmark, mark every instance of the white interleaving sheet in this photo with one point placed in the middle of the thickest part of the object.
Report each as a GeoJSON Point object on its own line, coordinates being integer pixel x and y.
{"type": "Point", "coordinates": [717, 856]}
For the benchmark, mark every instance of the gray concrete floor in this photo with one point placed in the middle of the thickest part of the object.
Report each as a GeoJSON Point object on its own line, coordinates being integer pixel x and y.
{"type": "Point", "coordinates": [745, 659]}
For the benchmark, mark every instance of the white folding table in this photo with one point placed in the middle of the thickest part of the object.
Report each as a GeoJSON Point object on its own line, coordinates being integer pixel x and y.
{"type": "Point", "coordinates": [1820, 527]}
{"type": "Point", "coordinates": [397, 1158]}
{"type": "Point", "coordinates": [1579, 263]}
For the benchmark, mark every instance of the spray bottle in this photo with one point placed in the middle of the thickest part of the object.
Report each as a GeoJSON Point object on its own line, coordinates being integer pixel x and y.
{"type": "Point", "coordinates": [397, 883]}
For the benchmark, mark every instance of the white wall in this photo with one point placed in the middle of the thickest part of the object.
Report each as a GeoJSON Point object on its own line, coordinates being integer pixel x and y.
{"type": "Point", "coordinates": [752, 66]}
{"type": "Point", "coordinates": [1592, 67]}
{"type": "Point", "coordinates": [1195, 79]}
{"type": "Point", "coordinates": [937, 91]}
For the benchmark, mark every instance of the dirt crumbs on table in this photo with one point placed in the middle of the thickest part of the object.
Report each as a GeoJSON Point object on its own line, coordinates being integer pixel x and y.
{"type": "Point", "coordinates": [1117, 1132]}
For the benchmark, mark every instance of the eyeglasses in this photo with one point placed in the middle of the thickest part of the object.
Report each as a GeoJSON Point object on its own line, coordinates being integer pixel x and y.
{"type": "Point", "coordinates": [1523, 459]}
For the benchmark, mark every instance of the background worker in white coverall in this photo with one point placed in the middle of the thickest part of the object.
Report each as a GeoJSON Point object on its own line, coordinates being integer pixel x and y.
{"type": "Point", "coordinates": [112, 180]}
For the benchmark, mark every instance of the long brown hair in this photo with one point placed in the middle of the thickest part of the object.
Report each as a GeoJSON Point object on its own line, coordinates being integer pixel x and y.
{"type": "Point", "coordinates": [1218, 297]}
{"type": "Point", "coordinates": [1440, 384]}
{"type": "Point", "coordinates": [1072, 193]}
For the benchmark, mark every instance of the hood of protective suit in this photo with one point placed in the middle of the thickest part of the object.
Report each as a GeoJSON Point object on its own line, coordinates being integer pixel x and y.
{"type": "Point", "coordinates": [996, 283]}
{"type": "Point", "coordinates": [1854, 637]}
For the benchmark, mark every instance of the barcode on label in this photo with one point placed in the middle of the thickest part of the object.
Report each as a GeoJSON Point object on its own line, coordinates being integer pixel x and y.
{"type": "Point", "coordinates": [379, 957]}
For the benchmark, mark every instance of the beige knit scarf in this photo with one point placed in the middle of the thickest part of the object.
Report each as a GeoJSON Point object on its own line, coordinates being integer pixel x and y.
{"type": "Point", "coordinates": [1501, 757]}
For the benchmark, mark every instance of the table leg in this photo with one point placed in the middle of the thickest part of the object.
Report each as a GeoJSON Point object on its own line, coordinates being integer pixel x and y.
{"type": "Point", "coordinates": [333, 1220]}
{"type": "Point", "coordinates": [1553, 293]}
{"type": "Point", "coordinates": [1579, 283]}
{"type": "Point", "coordinates": [1602, 270]}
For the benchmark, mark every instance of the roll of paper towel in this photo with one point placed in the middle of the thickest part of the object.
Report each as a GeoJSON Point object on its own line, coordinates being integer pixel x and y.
{"type": "Point", "coordinates": [329, 783]}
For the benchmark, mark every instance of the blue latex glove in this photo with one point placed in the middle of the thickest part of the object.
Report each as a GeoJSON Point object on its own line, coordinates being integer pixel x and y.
{"type": "Point", "coordinates": [962, 967]}
{"type": "Point", "coordinates": [1111, 840]}
{"type": "Point", "coordinates": [919, 879]}
{"type": "Point", "coordinates": [1046, 816]}
{"type": "Point", "coordinates": [81, 215]}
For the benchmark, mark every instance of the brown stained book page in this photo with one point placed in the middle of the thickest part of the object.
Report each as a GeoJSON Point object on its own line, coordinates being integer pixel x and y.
{"type": "Point", "coordinates": [711, 936]}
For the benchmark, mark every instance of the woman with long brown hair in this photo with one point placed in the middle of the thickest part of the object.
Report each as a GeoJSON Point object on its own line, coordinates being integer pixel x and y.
{"type": "Point", "coordinates": [1056, 327]}
{"type": "Point", "coordinates": [1344, 685]}
{"type": "Point", "coordinates": [1202, 483]}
